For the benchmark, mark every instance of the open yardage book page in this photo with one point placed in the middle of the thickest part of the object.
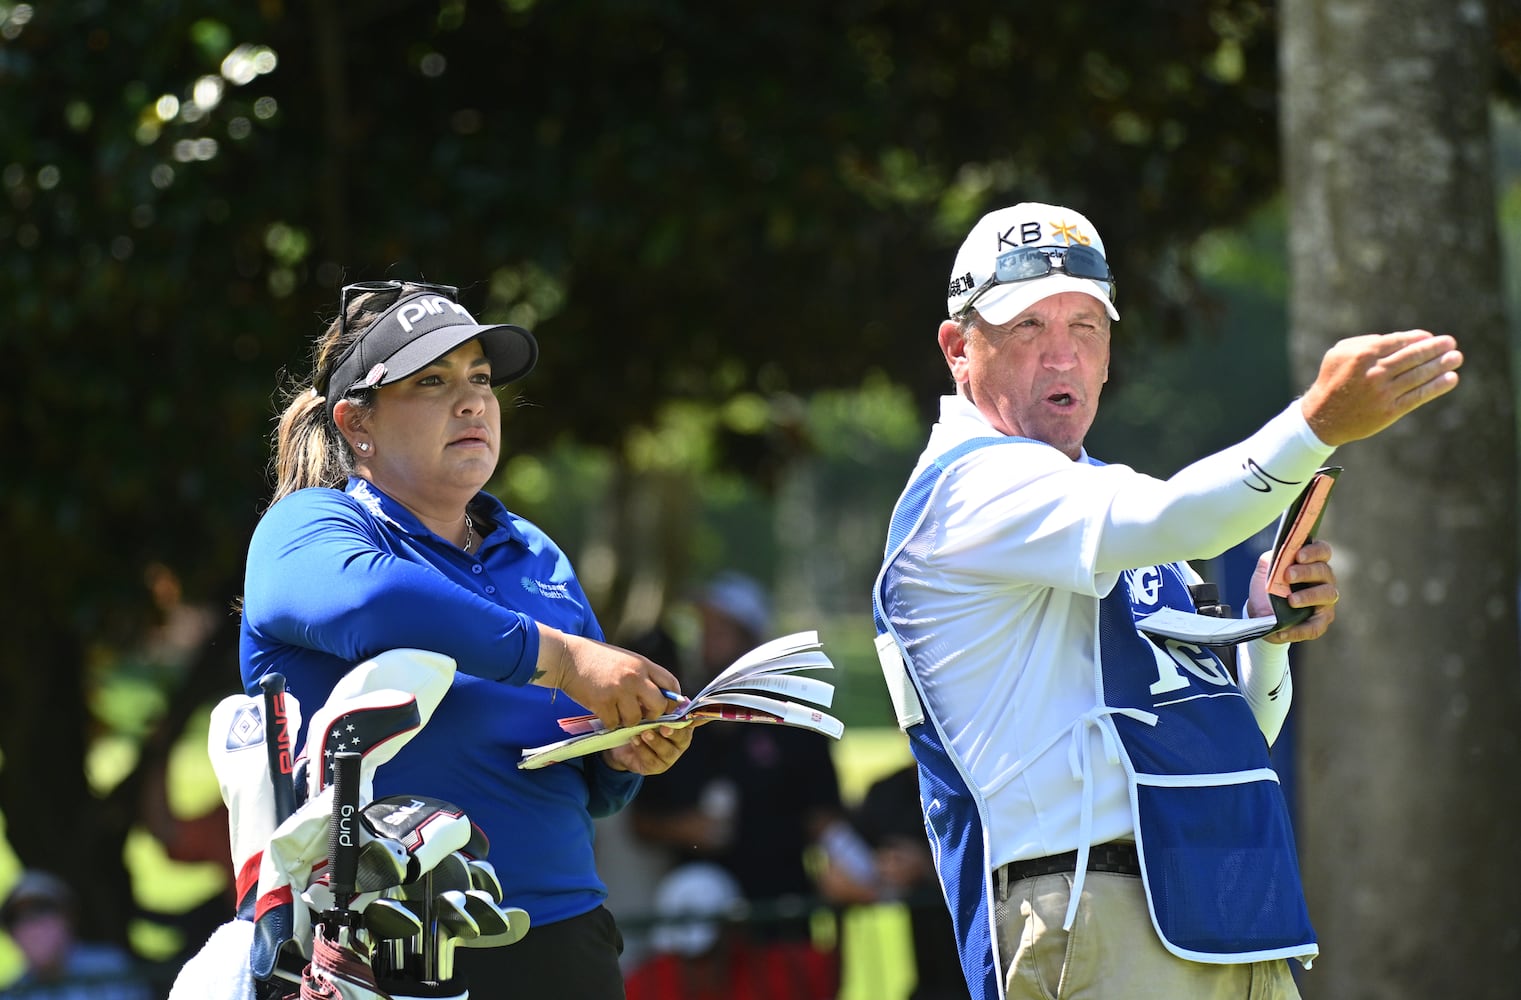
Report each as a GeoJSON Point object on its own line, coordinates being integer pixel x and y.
{"type": "Point", "coordinates": [1296, 527]}
{"type": "Point", "coordinates": [758, 687]}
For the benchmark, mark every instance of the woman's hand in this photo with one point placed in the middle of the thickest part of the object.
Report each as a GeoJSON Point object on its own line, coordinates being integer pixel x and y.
{"type": "Point", "coordinates": [651, 751]}
{"type": "Point", "coordinates": [618, 686]}
{"type": "Point", "coordinates": [1312, 565]}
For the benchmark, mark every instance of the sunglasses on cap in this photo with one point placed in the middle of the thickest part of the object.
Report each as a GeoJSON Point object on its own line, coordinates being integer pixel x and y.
{"type": "Point", "coordinates": [349, 292]}
{"type": "Point", "coordinates": [1029, 263]}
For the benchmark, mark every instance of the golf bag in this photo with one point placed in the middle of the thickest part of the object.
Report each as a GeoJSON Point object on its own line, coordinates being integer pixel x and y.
{"type": "Point", "coordinates": [341, 895]}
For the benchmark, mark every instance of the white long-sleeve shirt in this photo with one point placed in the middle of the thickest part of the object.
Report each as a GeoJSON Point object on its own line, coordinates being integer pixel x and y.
{"type": "Point", "coordinates": [998, 598]}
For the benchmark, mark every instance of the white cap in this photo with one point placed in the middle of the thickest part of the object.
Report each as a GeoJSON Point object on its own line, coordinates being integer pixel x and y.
{"type": "Point", "coordinates": [1028, 224]}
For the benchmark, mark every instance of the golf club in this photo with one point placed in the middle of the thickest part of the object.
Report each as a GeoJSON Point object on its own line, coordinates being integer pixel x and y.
{"type": "Point", "coordinates": [277, 745]}
{"type": "Point", "coordinates": [483, 876]}
{"type": "Point", "coordinates": [452, 923]}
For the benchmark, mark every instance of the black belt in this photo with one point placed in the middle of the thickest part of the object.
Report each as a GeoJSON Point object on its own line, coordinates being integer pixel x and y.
{"type": "Point", "coordinates": [1118, 858]}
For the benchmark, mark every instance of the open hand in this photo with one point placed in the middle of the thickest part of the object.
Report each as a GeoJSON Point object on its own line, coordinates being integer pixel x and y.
{"type": "Point", "coordinates": [1367, 383]}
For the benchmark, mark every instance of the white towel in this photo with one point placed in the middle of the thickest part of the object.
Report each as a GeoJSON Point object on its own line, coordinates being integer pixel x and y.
{"type": "Point", "coordinates": [219, 971]}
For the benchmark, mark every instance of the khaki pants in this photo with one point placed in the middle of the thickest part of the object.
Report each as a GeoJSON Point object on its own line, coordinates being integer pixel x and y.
{"type": "Point", "coordinates": [1112, 952]}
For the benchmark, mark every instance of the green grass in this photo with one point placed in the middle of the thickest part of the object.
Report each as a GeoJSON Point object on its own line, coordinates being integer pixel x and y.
{"type": "Point", "coordinates": [866, 753]}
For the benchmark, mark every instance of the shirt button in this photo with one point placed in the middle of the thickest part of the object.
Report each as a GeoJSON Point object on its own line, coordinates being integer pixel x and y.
{"type": "Point", "coordinates": [476, 569]}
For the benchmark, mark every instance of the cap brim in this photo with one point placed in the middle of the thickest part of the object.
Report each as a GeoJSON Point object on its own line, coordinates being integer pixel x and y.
{"type": "Point", "coordinates": [1003, 302]}
{"type": "Point", "coordinates": [512, 351]}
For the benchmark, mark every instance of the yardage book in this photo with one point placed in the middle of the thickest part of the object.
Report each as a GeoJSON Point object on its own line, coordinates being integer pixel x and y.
{"type": "Point", "coordinates": [1297, 526]}
{"type": "Point", "coordinates": [757, 687]}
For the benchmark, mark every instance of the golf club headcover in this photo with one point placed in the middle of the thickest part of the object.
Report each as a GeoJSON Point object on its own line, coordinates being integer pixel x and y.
{"type": "Point", "coordinates": [424, 675]}
{"type": "Point", "coordinates": [429, 828]}
{"type": "Point", "coordinates": [478, 846]}
{"type": "Point", "coordinates": [297, 847]}
{"type": "Point", "coordinates": [374, 724]}
{"type": "Point", "coordinates": [235, 743]}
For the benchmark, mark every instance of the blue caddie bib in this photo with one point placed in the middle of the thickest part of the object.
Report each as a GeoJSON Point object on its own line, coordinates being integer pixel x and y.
{"type": "Point", "coordinates": [1211, 822]}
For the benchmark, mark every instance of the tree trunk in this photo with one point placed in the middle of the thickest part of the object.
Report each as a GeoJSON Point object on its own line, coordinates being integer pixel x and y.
{"type": "Point", "coordinates": [1409, 706]}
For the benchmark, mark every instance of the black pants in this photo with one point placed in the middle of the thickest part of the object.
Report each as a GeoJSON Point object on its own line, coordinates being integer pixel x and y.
{"type": "Point", "coordinates": [571, 958]}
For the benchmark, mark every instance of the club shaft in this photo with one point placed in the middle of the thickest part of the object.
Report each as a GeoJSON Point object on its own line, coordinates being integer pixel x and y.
{"type": "Point", "coordinates": [430, 933]}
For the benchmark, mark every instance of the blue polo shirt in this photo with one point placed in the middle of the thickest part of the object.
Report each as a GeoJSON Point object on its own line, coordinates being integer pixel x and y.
{"type": "Point", "coordinates": [334, 578]}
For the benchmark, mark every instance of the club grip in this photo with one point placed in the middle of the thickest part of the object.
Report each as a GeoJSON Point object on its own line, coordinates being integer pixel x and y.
{"type": "Point", "coordinates": [343, 830]}
{"type": "Point", "coordinates": [277, 745]}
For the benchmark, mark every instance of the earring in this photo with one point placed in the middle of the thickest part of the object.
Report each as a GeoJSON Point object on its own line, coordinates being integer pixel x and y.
{"type": "Point", "coordinates": [364, 446]}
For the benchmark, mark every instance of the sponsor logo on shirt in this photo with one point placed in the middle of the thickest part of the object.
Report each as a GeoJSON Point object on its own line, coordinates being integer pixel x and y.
{"type": "Point", "coordinates": [1145, 585]}
{"type": "Point", "coordinates": [371, 502]}
{"type": "Point", "coordinates": [553, 591]}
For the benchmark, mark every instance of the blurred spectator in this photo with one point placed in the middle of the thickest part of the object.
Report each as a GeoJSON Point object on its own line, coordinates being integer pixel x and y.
{"type": "Point", "coordinates": [177, 650]}
{"type": "Point", "coordinates": [203, 838]}
{"type": "Point", "coordinates": [900, 868]}
{"type": "Point", "coordinates": [752, 798]}
{"type": "Point", "coordinates": [714, 958]}
{"type": "Point", "coordinates": [630, 866]}
{"type": "Point", "coordinates": [40, 914]}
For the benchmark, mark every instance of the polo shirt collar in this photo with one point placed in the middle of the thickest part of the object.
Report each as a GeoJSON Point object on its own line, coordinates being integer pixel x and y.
{"type": "Point", "coordinates": [962, 421]}
{"type": "Point", "coordinates": [386, 508]}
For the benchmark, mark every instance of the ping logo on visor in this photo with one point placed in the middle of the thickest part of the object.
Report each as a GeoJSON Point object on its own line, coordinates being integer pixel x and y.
{"type": "Point", "coordinates": [425, 306]}
{"type": "Point", "coordinates": [422, 324]}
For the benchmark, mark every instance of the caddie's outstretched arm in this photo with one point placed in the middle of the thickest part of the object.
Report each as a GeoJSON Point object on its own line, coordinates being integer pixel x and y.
{"type": "Point", "coordinates": [1367, 383]}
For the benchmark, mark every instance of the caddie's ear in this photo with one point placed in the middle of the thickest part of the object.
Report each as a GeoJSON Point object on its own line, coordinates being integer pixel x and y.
{"type": "Point", "coordinates": [953, 339]}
